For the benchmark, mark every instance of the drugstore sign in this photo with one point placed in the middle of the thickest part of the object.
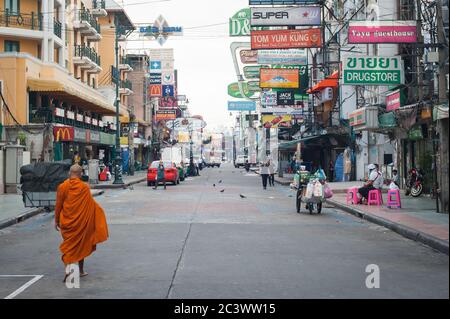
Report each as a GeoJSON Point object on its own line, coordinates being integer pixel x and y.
{"type": "Point", "coordinates": [373, 70]}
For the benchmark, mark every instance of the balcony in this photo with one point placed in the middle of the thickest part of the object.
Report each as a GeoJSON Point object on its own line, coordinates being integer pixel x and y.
{"type": "Point", "coordinates": [87, 58]}
{"type": "Point", "coordinates": [124, 64]}
{"type": "Point", "coordinates": [57, 28]}
{"type": "Point", "coordinates": [31, 21]}
{"type": "Point", "coordinates": [98, 8]}
{"type": "Point", "coordinates": [125, 87]}
{"type": "Point", "coordinates": [87, 25]}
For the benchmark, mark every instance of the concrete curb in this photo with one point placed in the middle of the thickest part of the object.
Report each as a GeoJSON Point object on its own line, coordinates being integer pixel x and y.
{"type": "Point", "coordinates": [33, 212]}
{"type": "Point", "coordinates": [15, 220]}
{"type": "Point", "coordinates": [113, 186]}
{"type": "Point", "coordinates": [405, 231]}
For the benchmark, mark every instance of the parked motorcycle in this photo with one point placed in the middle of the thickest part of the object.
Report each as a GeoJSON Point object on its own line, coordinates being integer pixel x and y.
{"type": "Point", "coordinates": [414, 184]}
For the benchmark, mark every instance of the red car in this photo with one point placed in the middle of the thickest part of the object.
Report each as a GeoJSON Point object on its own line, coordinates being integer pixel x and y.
{"type": "Point", "coordinates": [170, 173]}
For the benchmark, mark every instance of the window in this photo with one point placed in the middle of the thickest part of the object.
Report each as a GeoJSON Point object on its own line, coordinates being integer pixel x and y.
{"type": "Point", "coordinates": [12, 46]}
{"type": "Point", "coordinates": [13, 6]}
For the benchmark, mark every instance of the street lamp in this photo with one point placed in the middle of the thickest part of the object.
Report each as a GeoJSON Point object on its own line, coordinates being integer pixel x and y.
{"type": "Point", "coordinates": [118, 159]}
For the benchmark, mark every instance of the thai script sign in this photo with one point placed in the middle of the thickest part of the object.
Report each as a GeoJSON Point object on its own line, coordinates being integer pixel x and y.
{"type": "Point", "coordinates": [279, 78]}
{"type": "Point", "coordinates": [286, 39]}
{"type": "Point", "coordinates": [382, 32]}
{"type": "Point", "coordinates": [372, 70]}
{"type": "Point", "coordinates": [286, 16]}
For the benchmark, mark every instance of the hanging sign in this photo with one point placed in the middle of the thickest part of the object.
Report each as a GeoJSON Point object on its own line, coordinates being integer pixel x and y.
{"type": "Point", "coordinates": [373, 70]}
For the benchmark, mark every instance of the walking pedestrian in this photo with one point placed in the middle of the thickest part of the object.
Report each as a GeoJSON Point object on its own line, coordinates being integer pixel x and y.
{"type": "Point", "coordinates": [264, 171]}
{"type": "Point", "coordinates": [331, 171]}
{"type": "Point", "coordinates": [271, 173]}
{"type": "Point", "coordinates": [160, 176]}
{"type": "Point", "coordinates": [80, 220]}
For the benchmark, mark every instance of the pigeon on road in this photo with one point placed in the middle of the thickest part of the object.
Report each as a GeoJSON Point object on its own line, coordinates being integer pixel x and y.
{"type": "Point", "coordinates": [242, 196]}
{"type": "Point", "coordinates": [214, 185]}
{"type": "Point", "coordinates": [222, 190]}
{"type": "Point", "coordinates": [220, 181]}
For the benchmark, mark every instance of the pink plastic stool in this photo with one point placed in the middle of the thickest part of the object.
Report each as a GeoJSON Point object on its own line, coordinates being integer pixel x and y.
{"type": "Point", "coordinates": [393, 199]}
{"type": "Point", "coordinates": [375, 197]}
{"type": "Point", "coordinates": [352, 195]}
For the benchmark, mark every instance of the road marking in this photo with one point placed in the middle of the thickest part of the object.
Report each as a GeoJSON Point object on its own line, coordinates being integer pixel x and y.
{"type": "Point", "coordinates": [23, 287]}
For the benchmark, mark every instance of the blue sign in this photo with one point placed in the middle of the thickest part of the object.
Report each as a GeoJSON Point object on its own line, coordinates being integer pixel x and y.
{"type": "Point", "coordinates": [167, 90]}
{"type": "Point", "coordinates": [241, 106]}
{"type": "Point", "coordinates": [155, 66]}
{"type": "Point", "coordinates": [281, 2]}
{"type": "Point", "coordinates": [155, 78]}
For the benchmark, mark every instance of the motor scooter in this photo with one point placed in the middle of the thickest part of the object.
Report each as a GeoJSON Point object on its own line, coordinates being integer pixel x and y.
{"type": "Point", "coordinates": [414, 184]}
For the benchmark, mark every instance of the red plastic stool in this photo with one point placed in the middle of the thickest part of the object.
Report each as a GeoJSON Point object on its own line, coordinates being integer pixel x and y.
{"type": "Point", "coordinates": [352, 195]}
{"type": "Point", "coordinates": [375, 197]}
{"type": "Point", "coordinates": [393, 199]}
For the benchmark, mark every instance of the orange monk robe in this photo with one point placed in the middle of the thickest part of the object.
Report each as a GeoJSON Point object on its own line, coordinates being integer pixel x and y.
{"type": "Point", "coordinates": [81, 219]}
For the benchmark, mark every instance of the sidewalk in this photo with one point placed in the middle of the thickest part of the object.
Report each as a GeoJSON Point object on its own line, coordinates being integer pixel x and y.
{"type": "Point", "coordinates": [12, 210]}
{"type": "Point", "coordinates": [417, 219]}
{"type": "Point", "coordinates": [127, 181]}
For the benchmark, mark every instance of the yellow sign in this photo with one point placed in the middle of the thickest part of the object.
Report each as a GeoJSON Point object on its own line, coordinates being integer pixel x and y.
{"type": "Point", "coordinates": [274, 121]}
{"type": "Point", "coordinates": [124, 140]}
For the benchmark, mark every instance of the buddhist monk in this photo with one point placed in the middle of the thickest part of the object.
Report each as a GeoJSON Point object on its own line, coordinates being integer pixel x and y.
{"type": "Point", "coordinates": [80, 219]}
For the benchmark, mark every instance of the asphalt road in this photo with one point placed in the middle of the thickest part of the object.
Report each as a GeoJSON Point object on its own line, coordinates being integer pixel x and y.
{"type": "Point", "coordinates": [192, 241]}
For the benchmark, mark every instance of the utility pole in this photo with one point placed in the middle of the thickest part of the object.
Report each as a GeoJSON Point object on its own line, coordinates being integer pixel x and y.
{"type": "Point", "coordinates": [118, 161]}
{"type": "Point", "coordinates": [442, 94]}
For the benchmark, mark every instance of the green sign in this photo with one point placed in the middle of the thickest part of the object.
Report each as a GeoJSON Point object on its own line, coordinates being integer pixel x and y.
{"type": "Point", "coordinates": [107, 139]}
{"type": "Point", "coordinates": [252, 72]}
{"type": "Point", "coordinates": [233, 90]}
{"type": "Point", "coordinates": [240, 23]}
{"type": "Point", "coordinates": [387, 120]}
{"type": "Point", "coordinates": [372, 70]}
{"type": "Point", "coordinates": [253, 86]}
{"type": "Point", "coordinates": [300, 93]}
{"type": "Point", "coordinates": [415, 133]}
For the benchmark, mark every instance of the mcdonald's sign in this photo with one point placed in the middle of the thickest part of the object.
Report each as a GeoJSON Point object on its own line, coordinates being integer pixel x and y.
{"type": "Point", "coordinates": [63, 133]}
{"type": "Point", "coordinates": [155, 90]}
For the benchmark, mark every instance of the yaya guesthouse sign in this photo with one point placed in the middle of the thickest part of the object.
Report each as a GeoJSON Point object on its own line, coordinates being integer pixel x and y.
{"type": "Point", "coordinates": [382, 32]}
{"type": "Point", "coordinates": [373, 70]}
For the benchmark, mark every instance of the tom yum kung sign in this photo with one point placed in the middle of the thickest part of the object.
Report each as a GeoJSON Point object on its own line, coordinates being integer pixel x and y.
{"type": "Point", "coordinates": [373, 70]}
{"type": "Point", "coordinates": [286, 39]}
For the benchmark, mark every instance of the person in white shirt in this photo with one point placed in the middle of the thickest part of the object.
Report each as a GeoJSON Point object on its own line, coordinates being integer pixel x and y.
{"type": "Point", "coordinates": [375, 181]}
{"type": "Point", "coordinates": [264, 171]}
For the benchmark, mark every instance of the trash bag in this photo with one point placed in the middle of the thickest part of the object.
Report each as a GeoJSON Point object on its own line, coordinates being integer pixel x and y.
{"type": "Point", "coordinates": [392, 185]}
{"type": "Point", "coordinates": [318, 190]}
{"type": "Point", "coordinates": [327, 192]}
{"type": "Point", "coordinates": [309, 190]}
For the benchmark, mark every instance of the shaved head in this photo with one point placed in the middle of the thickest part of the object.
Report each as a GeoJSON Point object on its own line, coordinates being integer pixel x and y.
{"type": "Point", "coordinates": [75, 171]}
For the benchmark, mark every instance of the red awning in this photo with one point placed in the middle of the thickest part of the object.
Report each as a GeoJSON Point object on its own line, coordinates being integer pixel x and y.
{"type": "Point", "coordinates": [331, 81]}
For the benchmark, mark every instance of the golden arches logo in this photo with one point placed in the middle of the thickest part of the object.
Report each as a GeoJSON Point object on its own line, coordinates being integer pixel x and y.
{"type": "Point", "coordinates": [62, 134]}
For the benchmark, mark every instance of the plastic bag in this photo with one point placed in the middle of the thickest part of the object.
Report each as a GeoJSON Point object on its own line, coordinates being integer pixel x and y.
{"type": "Point", "coordinates": [392, 185]}
{"type": "Point", "coordinates": [309, 191]}
{"type": "Point", "coordinates": [320, 174]}
{"type": "Point", "coordinates": [327, 192]}
{"type": "Point", "coordinates": [318, 190]}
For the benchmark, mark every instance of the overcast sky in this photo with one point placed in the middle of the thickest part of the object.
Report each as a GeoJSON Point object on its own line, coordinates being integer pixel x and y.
{"type": "Point", "coordinates": [202, 54]}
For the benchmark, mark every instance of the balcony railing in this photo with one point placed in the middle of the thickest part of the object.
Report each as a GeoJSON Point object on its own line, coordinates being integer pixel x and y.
{"type": "Point", "coordinates": [99, 4]}
{"type": "Point", "coordinates": [57, 28]}
{"type": "Point", "coordinates": [84, 51]}
{"type": "Point", "coordinates": [85, 15]}
{"type": "Point", "coordinates": [32, 21]}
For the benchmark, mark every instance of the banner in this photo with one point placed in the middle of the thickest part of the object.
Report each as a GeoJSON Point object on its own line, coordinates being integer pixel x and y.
{"type": "Point", "coordinates": [168, 102]}
{"type": "Point", "coordinates": [279, 78]}
{"type": "Point", "coordinates": [286, 16]}
{"type": "Point", "coordinates": [241, 106]}
{"type": "Point", "coordinates": [382, 32]}
{"type": "Point", "coordinates": [393, 100]}
{"type": "Point", "coordinates": [281, 2]}
{"type": "Point", "coordinates": [372, 70]}
{"type": "Point", "coordinates": [286, 39]}
{"type": "Point", "coordinates": [268, 98]}
{"type": "Point", "coordinates": [273, 121]}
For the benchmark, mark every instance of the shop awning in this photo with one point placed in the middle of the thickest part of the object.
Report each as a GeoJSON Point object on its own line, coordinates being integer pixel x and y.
{"type": "Point", "coordinates": [331, 81]}
{"type": "Point", "coordinates": [71, 94]}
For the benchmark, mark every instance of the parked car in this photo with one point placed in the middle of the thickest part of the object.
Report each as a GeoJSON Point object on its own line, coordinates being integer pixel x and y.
{"type": "Point", "coordinates": [240, 161]}
{"type": "Point", "coordinates": [170, 173]}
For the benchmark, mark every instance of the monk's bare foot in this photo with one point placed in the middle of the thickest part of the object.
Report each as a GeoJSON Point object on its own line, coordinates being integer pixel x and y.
{"type": "Point", "coordinates": [83, 274]}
